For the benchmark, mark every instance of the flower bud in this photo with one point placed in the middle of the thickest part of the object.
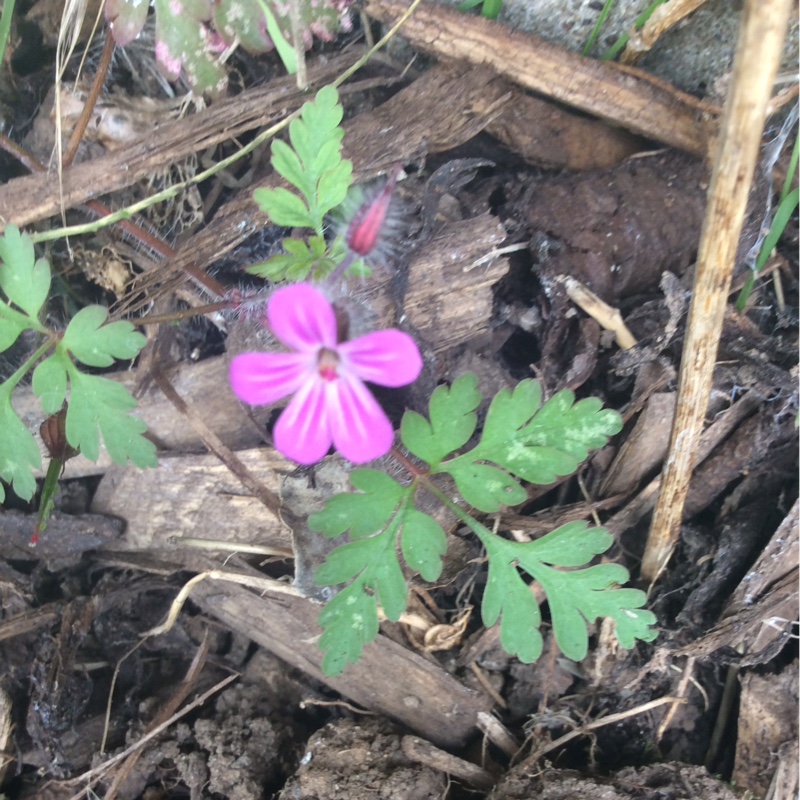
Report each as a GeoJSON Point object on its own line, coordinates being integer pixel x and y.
{"type": "Point", "coordinates": [365, 229]}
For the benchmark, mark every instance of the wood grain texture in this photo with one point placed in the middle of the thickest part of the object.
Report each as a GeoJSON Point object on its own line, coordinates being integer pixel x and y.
{"type": "Point", "coordinates": [388, 678]}
{"type": "Point", "coordinates": [33, 197]}
{"type": "Point", "coordinates": [195, 496]}
{"type": "Point", "coordinates": [628, 97]}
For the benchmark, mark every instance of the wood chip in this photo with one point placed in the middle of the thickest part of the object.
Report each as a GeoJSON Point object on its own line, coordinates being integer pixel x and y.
{"type": "Point", "coordinates": [388, 678]}
{"type": "Point", "coordinates": [623, 95]}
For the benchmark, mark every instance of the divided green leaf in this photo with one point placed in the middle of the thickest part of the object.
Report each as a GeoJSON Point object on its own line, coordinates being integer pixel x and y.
{"type": "Point", "coordinates": [576, 597]}
{"type": "Point", "coordinates": [375, 516]}
{"type": "Point", "coordinates": [313, 165]}
{"type": "Point", "coordinates": [523, 439]}
{"type": "Point", "coordinates": [24, 279]}
{"type": "Point", "coordinates": [19, 453]}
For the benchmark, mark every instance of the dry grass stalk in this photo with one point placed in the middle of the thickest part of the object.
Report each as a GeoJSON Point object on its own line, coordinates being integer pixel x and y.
{"type": "Point", "coordinates": [760, 44]}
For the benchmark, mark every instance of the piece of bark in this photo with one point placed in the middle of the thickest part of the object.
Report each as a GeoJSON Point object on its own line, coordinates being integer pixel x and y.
{"type": "Point", "coordinates": [740, 537]}
{"type": "Point", "coordinates": [65, 538]}
{"type": "Point", "coordinates": [387, 678]}
{"type": "Point", "coordinates": [552, 137]}
{"type": "Point", "coordinates": [758, 619]}
{"type": "Point", "coordinates": [194, 496]}
{"type": "Point", "coordinates": [716, 433]}
{"type": "Point", "coordinates": [448, 300]}
{"type": "Point", "coordinates": [30, 198]}
{"type": "Point", "coordinates": [626, 96]}
{"type": "Point", "coordinates": [767, 719]}
{"type": "Point", "coordinates": [755, 440]}
{"type": "Point", "coordinates": [644, 450]}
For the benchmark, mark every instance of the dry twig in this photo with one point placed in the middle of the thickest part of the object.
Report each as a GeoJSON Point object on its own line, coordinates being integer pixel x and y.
{"type": "Point", "coordinates": [760, 44]}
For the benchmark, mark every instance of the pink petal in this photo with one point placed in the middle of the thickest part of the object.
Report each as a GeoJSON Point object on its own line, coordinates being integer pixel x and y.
{"type": "Point", "coordinates": [302, 318]}
{"type": "Point", "coordinates": [263, 378]}
{"type": "Point", "coordinates": [388, 358]}
{"type": "Point", "coordinates": [302, 432]}
{"type": "Point", "coordinates": [361, 431]}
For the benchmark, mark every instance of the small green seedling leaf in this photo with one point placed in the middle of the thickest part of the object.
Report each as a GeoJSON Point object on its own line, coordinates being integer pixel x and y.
{"type": "Point", "coordinates": [24, 279]}
{"type": "Point", "coordinates": [101, 406]}
{"type": "Point", "coordinates": [536, 444]}
{"type": "Point", "coordinates": [313, 165]}
{"type": "Point", "coordinates": [97, 344]}
{"type": "Point", "coordinates": [452, 421]}
{"type": "Point", "coordinates": [19, 453]}
{"type": "Point", "coordinates": [298, 262]}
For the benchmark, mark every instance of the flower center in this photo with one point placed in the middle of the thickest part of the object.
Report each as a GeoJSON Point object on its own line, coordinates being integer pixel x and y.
{"type": "Point", "coordinates": [327, 362]}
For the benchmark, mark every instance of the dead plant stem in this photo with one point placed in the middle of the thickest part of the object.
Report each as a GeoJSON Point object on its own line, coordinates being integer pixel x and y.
{"type": "Point", "coordinates": [91, 100]}
{"type": "Point", "coordinates": [763, 28]}
{"type": "Point", "coordinates": [531, 760]}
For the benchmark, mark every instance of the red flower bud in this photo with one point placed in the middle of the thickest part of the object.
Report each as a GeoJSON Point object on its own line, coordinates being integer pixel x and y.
{"type": "Point", "coordinates": [365, 229]}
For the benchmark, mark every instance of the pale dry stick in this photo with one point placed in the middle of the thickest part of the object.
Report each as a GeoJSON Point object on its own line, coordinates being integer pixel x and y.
{"type": "Point", "coordinates": [72, 17]}
{"type": "Point", "coordinates": [598, 723]}
{"type": "Point", "coordinates": [93, 775]}
{"type": "Point", "coordinates": [607, 316]}
{"type": "Point", "coordinates": [422, 751]}
{"type": "Point", "coordinates": [253, 581]}
{"type": "Point", "coordinates": [661, 20]}
{"type": "Point", "coordinates": [764, 24]}
{"type": "Point", "coordinates": [686, 678]}
{"type": "Point", "coordinates": [304, 704]}
{"type": "Point", "coordinates": [497, 733]}
{"type": "Point", "coordinates": [487, 687]}
{"type": "Point", "coordinates": [233, 547]}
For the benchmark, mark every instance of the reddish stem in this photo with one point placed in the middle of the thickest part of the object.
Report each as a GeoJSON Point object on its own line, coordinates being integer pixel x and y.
{"type": "Point", "coordinates": [91, 101]}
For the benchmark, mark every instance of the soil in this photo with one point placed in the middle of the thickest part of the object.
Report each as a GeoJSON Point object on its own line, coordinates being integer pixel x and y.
{"type": "Point", "coordinates": [510, 200]}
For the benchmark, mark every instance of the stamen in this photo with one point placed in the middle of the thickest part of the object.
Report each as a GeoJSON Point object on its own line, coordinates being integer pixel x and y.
{"type": "Point", "coordinates": [327, 362]}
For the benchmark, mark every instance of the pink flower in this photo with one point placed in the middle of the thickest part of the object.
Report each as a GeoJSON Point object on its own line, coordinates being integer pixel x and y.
{"type": "Point", "coordinates": [331, 404]}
